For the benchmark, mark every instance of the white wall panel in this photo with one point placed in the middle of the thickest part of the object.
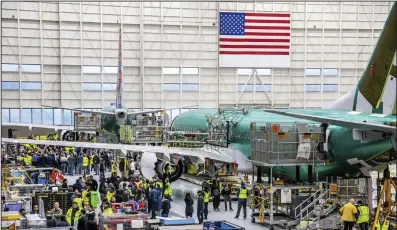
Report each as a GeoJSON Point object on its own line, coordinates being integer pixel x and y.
{"type": "Point", "coordinates": [178, 34]}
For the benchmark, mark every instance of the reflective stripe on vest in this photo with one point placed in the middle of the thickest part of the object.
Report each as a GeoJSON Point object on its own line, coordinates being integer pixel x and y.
{"type": "Point", "coordinates": [242, 194]}
{"type": "Point", "coordinates": [206, 197]}
{"type": "Point", "coordinates": [364, 214]}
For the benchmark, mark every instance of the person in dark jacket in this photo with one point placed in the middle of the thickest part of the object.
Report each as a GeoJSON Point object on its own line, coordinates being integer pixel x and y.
{"type": "Point", "coordinates": [166, 206]}
{"type": "Point", "coordinates": [82, 221]}
{"type": "Point", "coordinates": [159, 197]}
{"type": "Point", "coordinates": [71, 162]}
{"type": "Point", "coordinates": [153, 201]}
{"type": "Point", "coordinates": [97, 160]}
{"type": "Point", "coordinates": [79, 163]}
{"type": "Point", "coordinates": [50, 160]}
{"type": "Point", "coordinates": [200, 207]}
{"type": "Point", "coordinates": [65, 183]}
{"type": "Point", "coordinates": [77, 186]}
{"type": "Point", "coordinates": [94, 183]}
{"type": "Point", "coordinates": [43, 160]}
{"type": "Point", "coordinates": [215, 192]}
{"type": "Point", "coordinates": [226, 192]}
{"type": "Point", "coordinates": [119, 197]}
{"type": "Point", "coordinates": [102, 169]}
{"type": "Point", "coordinates": [189, 205]}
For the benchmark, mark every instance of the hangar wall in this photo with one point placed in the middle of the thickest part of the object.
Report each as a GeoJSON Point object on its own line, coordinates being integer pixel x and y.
{"type": "Point", "coordinates": [65, 54]}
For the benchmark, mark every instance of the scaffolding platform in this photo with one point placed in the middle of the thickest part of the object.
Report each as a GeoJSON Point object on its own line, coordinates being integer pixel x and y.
{"type": "Point", "coordinates": [287, 144]}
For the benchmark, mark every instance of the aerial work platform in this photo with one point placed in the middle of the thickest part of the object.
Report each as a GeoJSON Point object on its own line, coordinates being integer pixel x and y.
{"type": "Point", "coordinates": [287, 144]}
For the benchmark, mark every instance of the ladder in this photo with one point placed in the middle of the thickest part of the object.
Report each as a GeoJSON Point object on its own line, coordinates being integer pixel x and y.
{"type": "Point", "coordinates": [318, 204]}
{"type": "Point", "coordinates": [221, 125]}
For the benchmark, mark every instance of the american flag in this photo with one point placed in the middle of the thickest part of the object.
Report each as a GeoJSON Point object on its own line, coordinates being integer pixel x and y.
{"type": "Point", "coordinates": [254, 33]}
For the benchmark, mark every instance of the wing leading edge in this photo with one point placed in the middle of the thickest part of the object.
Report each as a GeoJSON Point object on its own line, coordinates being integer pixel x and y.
{"type": "Point", "coordinates": [198, 155]}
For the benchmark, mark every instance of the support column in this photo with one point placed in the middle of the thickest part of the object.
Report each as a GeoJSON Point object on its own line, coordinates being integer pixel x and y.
{"type": "Point", "coordinates": [297, 172]}
{"type": "Point", "coordinates": [310, 173]}
{"type": "Point", "coordinates": [259, 174]}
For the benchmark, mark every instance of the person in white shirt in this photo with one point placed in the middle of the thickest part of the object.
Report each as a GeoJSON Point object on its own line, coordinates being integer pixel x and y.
{"type": "Point", "coordinates": [132, 167]}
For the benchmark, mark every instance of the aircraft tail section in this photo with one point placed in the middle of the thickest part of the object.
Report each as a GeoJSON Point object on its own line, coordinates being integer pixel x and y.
{"type": "Point", "coordinates": [376, 90]}
{"type": "Point", "coordinates": [119, 89]}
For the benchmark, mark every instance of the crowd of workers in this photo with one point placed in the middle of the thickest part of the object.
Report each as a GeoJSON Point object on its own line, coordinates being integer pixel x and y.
{"type": "Point", "coordinates": [128, 189]}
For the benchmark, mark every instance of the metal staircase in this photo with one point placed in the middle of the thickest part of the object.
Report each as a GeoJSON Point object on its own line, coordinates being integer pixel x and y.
{"type": "Point", "coordinates": [222, 124]}
{"type": "Point", "coordinates": [317, 205]}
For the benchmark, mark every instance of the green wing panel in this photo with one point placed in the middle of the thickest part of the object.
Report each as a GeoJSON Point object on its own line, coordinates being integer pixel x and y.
{"type": "Point", "coordinates": [374, 122]}
{"type": "Point", "coordinates": [373, 79]}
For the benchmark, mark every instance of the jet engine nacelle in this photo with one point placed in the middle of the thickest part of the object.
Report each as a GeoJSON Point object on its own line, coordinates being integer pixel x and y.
{"type": "Point", "coordinates": [121, 116]}
{"type": "Point", "coordinates": [151, 166]}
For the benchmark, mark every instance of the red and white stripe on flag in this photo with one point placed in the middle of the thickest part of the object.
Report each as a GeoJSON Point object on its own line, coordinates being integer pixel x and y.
{"type": "Point", "coordinates": [254, 40]}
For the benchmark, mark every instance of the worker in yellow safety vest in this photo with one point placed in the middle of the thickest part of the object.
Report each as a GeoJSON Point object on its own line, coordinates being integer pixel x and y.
{"type": "Point", "coordinates": [114, 167]}
{"type": "Point", "coordinates": [28, 159]}
{"type": "Point", "coordinates": [386, 225]}
{"type": "Point", "coordinates": [363, 215]}
{"type": "Point", "coordinates": [78, 200]}
{"type": "Point", "coordinates": [85, 165]}
{"type": "Point", "coordinates": [84, 195]}
{"type": "Point", "coordinates": [168, 191]}
{"type": "Point", "coordinates": [110, 195]}
{"type": "Point", "coordinates": [349, 212]}
{"type": "Point", "coordinates": [73, 214]}
{"type": "Point", "coordinates": [107, 209]}
{"type": "Point", "coordinates": [159, 184]}
{"type": "Point", "coordinates": [242, 194]}
{"type": "Point", "coordinates": [206, 200]}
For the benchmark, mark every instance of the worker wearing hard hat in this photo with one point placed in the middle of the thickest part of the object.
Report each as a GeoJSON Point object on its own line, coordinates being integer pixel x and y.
{"type": "Point", "coordinates": [348, 212]}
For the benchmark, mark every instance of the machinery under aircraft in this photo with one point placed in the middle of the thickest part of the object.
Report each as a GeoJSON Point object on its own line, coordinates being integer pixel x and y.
{"type": "Point", "coordinates": [359, 128]}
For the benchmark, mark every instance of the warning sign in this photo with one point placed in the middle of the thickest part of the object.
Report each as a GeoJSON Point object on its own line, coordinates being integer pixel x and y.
{"type": "Point", "coordinates": [333, 189]}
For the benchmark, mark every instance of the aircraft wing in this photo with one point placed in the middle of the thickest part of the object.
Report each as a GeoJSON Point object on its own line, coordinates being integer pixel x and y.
{"type": "Point", "coordinates": [199, 155]}
{"type": "Point", "coordinates": [354, 120]}
{"type": "Point", "coordinates": [20, 129]}
{"type": "Point", "coordinates": [81, 110]}
{"type": "Point", "coordinates": [9, 125]}
{"type": "Point", "coordinates": [145, 111]}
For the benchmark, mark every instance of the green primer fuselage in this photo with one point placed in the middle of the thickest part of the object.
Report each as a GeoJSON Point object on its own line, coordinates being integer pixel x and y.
{"type": "Point", "coordinates": [108, 121]}
{"type": "Point", "coordinates": [341, 145]}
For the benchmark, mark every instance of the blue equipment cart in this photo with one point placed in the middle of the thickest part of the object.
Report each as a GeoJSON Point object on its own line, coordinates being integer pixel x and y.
{"type": "Point", "coordinates": [220, 225]}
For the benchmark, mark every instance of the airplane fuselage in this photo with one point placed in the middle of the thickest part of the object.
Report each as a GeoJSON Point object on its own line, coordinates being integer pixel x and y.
{"type": "Point", "coordinates": [112, 123]}
{"type": "Point", "coordinates": [341, 144]}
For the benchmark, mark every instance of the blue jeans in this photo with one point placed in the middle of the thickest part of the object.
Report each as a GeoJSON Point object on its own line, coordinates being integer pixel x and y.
{"type": "Point", "coordinates": [164, 214]}
{"type": "Point", "coordinates": [71, 169]}
{"type": "Point", "coordinates": [200, 216]}
{"type": "Point", "coordinates": [78, 168]}
{"type": "Point", "coordinates": [63, 168]}
{"type": "Point", "coordinates": [363, 226]}
{"type": "Point", "coordinates": [86, 170]}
